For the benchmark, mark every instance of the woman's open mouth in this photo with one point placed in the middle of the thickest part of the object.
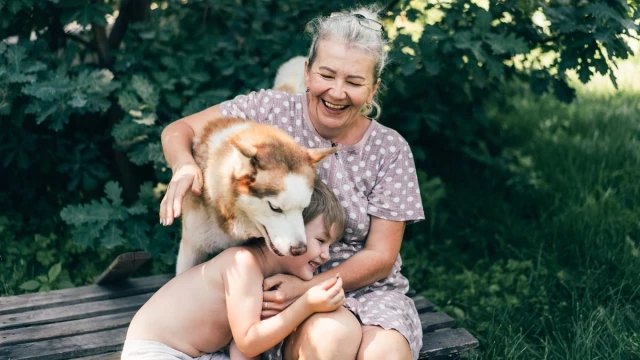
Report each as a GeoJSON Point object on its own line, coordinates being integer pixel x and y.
{"type": "Point", "coordinates": [333, 107]}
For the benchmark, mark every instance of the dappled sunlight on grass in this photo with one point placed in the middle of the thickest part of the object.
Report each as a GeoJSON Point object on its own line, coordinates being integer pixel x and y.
{"type": "Point", "coordinates": [555, 249]}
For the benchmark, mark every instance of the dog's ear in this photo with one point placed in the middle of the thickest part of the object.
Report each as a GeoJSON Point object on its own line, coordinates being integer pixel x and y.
{"type": "Point", "coordinates": [318, 155]}
{"type": "Point", "coordinates": [245, 148]}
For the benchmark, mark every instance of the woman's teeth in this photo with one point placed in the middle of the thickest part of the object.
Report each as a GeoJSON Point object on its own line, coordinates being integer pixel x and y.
{"type": "Point", "coordinates": [333, 106]}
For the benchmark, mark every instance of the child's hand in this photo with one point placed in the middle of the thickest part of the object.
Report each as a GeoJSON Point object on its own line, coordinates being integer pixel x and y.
{"type": "Point", "coordinates": [326, 296]}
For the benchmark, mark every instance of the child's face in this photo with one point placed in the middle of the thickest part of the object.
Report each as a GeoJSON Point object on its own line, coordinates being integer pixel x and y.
{"type": "Point", "coordinates": [318, 242]}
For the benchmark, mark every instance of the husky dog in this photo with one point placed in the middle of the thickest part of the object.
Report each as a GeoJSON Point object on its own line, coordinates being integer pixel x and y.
{"type": "Point", "coordinates": [257, 181]}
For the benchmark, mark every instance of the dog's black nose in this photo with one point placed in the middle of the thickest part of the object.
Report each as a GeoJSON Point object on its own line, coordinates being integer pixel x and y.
{"type": "Point", "coordinates": [298, 250]}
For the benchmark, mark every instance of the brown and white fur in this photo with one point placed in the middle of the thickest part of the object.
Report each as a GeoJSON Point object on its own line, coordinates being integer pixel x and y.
{"type": "Point", "coordinates": [257, 181]}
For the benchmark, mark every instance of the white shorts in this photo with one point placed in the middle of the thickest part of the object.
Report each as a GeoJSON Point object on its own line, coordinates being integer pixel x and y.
{"type": "Point", "coordinates": [153, 350]}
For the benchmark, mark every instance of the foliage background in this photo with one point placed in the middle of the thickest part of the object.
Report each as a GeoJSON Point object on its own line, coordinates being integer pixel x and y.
{"type": "Point", "coordinates": [531, 238]}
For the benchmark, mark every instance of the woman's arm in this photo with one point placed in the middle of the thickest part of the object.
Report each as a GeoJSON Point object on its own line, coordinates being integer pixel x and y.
{"type": "Point", "coordinates": [177, 142]}
{"type": "Point", "coordinates": [374, 262]}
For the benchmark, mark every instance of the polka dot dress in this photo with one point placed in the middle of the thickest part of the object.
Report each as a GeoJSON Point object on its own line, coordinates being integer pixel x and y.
{"type": "Point", "coordinates": [375, 177]}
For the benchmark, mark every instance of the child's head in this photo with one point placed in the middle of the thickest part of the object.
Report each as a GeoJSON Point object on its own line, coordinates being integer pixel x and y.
{"type": "Point", "coordinates": [324, 202]}
{"type": "Point", "coordinates": [325, 221]}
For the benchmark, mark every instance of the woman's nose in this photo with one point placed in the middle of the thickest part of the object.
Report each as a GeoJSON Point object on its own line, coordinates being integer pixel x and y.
{"type": "Point", "coordinates": [337, 90]}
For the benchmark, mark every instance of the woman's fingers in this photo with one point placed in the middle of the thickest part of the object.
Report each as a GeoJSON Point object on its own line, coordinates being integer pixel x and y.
{"type": "Point", "coordinates": [268, 313]}
{"type": "Point", "coordinates": [268, 305]}
{"type": "Point", "coordinates": [196, 186]}
{"type": "Point", "coordinates": [271, 282]}
{"type": "Point", "coordinates": [270, 296]}
{"type": "Point", "coordinates": [185, 178]}
{"type": "Point", "coordinates": [179, 191]}
{"type": "Point", "coordinates": [171, 205]}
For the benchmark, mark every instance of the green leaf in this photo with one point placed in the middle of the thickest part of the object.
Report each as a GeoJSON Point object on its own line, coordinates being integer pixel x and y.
{"type": "Point", "coordinates": [145, 153]}
{"type": "Point", "coordinates": [30, 285]}
{"type": "Point", "coordinates": [506, 44]}
{"type": "Point", "coordinates": [112, 236]}
{"type": "Point", "coordinates": [138, 232]}
{"type": "Point", "coordinates": [78, 100]}
{"type": "Point", "coordinates": [145, 90]}
{"type": "Point", "coordinates": [95, 213]}
{"type": "Point", "coordinates": [584, 73]}
{"type": "Point", "coordinates": [65, 284]}
{"type": "Point", "coordinates": [539, 82]}
{"type": "Point", "coordinates": [20, 68]}
{"type": "Point", "coordinates": [85, 235]}
{"type": "Point", "coordinates": [601, 65]}
{"type": "Point", "coordinates": [483, 20]}
{"type": "Point", "coordinates": [114, 193]}
{"type": "Point", "coordinates": [54, 271]}
{"type": "Point", "coordinates": [137, 209]}
{"type": "Point", "coordinates": [563, 91]}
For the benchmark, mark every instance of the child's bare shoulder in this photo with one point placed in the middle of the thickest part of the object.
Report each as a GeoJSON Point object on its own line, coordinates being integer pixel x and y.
{"type": "Point", "coordinates": [240, 257]}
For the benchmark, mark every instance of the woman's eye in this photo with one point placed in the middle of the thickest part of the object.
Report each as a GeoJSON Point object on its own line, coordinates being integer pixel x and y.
{"type": "Point", "coordinates": [354, 84]}
{"type": "Point", "coordinates": [274, 208]}
{"type": "Point", "coordinates": [326, 76]}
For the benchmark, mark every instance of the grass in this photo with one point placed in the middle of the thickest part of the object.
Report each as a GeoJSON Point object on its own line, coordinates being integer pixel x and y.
{"type": "Point", "coordinates": [544, 263]}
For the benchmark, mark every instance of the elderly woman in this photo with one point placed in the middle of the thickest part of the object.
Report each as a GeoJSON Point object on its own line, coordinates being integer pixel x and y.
{"type": "Point", "coordinates": [373, 175]}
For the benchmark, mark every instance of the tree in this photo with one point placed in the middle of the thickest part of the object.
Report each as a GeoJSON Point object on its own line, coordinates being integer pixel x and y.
{"type": "Point", "coordinates": [87, 87]}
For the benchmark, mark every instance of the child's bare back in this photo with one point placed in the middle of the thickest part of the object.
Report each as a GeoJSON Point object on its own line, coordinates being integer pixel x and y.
{"type": "Point", "coordinates": [195, 322]}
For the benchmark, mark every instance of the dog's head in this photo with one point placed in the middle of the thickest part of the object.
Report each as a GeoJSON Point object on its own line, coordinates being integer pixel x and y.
{"type": "Point", "coordinates": [274, 184]}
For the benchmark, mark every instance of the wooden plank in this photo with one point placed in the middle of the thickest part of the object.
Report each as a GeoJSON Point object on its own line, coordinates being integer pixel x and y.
{"type": "Point", "coordinates": [123, 266]}
{"type": "Point", "coordinates": [435, 320]}
{"type": "Point", "coordinates": [67, 347]}
{"type": "Point", "coordinates": [66, 328]}
{"type": "Point", "coordinates": [73, 312]}
{"type": "Point", "coordinates": [422, 304]}
{"type": "Point", "coordinates": [108, 356]}
{"type": "Point", "coordinates": [27, 302]}
{"type": "Point", "coordinates": [446, 342]}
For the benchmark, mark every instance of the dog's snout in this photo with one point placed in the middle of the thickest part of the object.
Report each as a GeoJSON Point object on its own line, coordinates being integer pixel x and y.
{"type": "Point", "coordinates": [298, 250]}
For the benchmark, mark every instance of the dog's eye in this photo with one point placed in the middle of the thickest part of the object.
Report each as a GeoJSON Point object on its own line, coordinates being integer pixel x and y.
{"type": "Point", "coordinates": [274, 208]}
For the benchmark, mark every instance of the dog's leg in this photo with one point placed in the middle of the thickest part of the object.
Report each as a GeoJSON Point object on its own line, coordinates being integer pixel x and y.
{"type": "Point", "coordinates": [188, 257]}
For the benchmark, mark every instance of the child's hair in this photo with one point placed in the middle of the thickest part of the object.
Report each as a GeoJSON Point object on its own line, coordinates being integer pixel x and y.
{"type": "Point", "coordinates": [324, 202]}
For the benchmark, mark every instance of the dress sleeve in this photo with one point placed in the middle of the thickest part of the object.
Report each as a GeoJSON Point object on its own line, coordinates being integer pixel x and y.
{"type": "Point", "coordinates": [396, 194]}
{"type": "Point", "coordinates": [259, 106]}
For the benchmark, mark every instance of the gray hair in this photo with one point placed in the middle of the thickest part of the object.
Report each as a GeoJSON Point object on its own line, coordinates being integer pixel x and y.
{"type": "Point", "coordinates": [346, 27]}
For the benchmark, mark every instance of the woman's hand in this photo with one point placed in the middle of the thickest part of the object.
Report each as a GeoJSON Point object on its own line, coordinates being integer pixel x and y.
{"type": "Point", "coordinates": [184, 177]}
{"type": "Point", "coordinates": [279, 292]}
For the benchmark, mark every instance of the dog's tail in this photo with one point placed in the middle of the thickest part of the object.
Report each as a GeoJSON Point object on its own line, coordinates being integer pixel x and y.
{"type": "Point", "coordinates": [290, 76]}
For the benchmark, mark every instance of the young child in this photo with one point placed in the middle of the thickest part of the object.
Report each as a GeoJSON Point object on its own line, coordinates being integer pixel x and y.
{"type": "Point", "coordinates": [199, 312]}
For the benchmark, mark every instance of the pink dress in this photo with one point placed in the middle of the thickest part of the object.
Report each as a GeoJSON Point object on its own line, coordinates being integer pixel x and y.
{"type": "Point", "coordinates": [375, 177]}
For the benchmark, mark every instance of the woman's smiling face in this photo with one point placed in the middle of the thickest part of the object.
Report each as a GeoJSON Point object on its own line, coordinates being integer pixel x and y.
{"type": "Point", "coordinates": [340, 82]}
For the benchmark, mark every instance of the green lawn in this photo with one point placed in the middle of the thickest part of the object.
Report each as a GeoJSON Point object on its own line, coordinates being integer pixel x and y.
{"type": "Point", "coordinates": [545, 263]}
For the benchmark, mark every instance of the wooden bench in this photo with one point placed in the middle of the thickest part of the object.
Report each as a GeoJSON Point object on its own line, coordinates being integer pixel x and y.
{"type": "Point", "coordinates": [90, 322]}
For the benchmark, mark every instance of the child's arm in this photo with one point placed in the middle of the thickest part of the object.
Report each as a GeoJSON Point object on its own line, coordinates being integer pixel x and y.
{"type": "Point", "coordinates": [243, 286]}
{"type": "Point", "coordinates": [236, 354]}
